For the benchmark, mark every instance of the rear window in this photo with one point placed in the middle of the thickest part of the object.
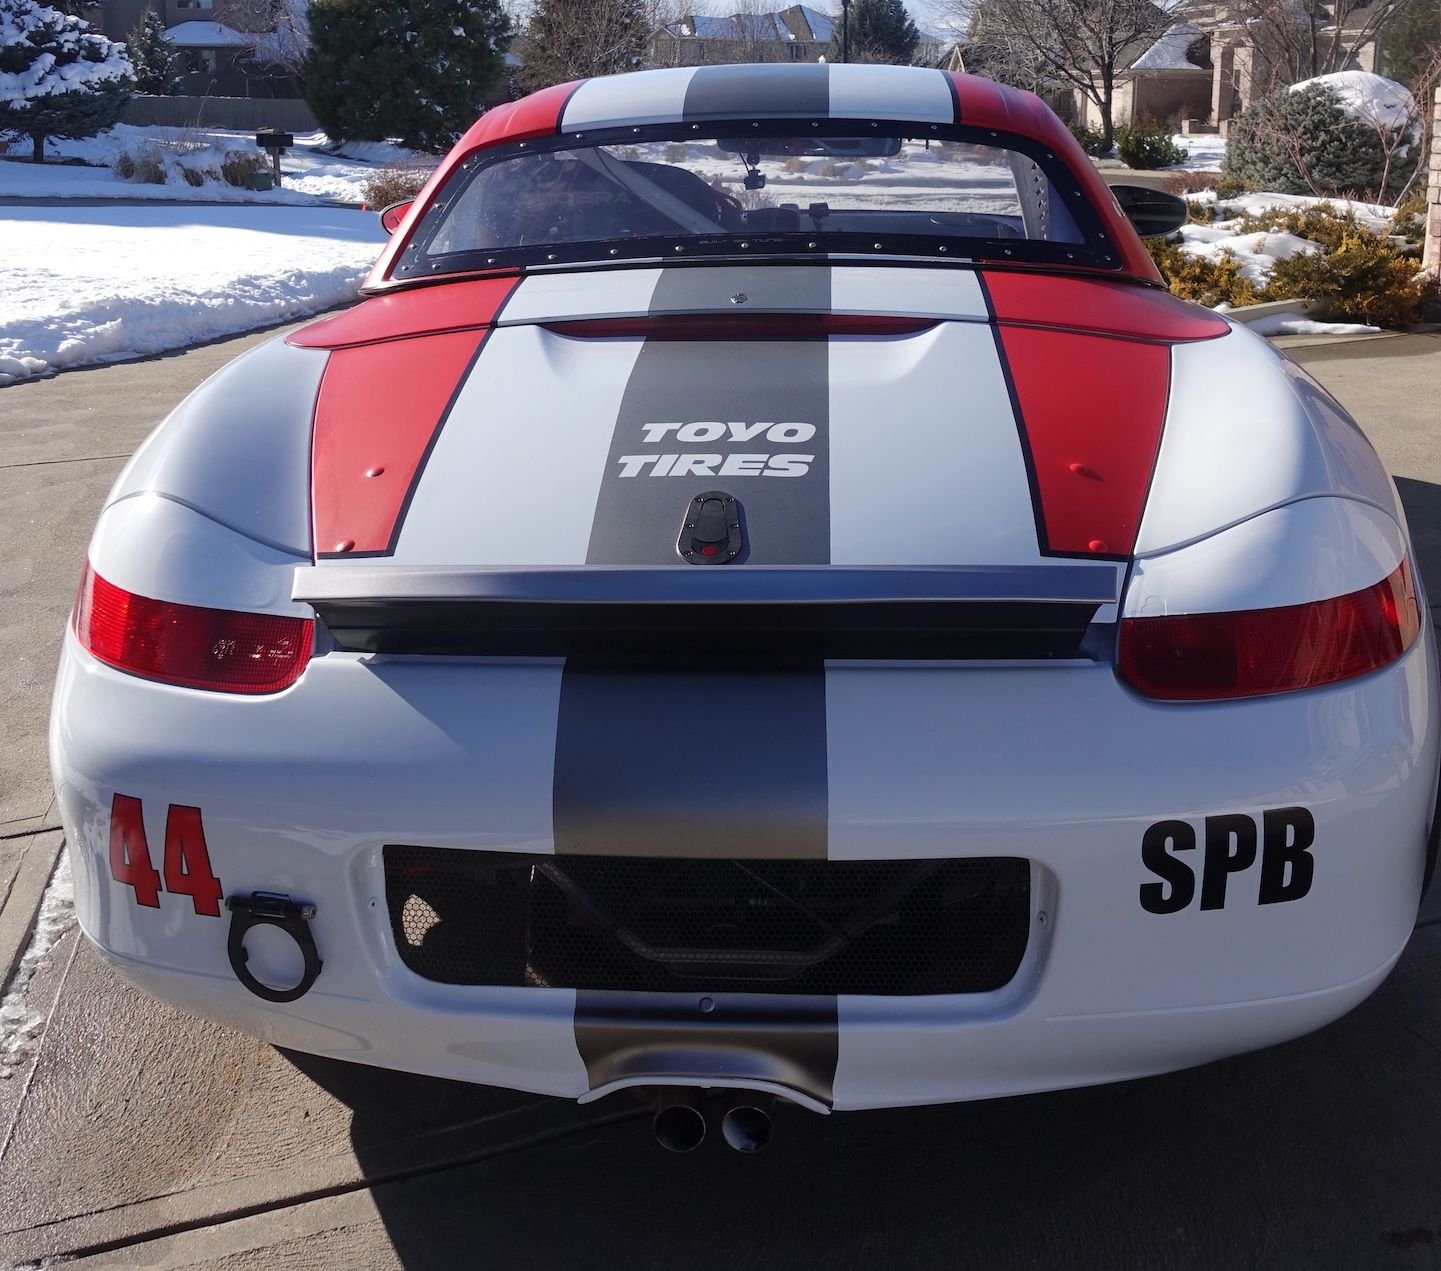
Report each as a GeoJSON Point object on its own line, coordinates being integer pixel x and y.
{"type": "Point", "coordinates": [751, 190]}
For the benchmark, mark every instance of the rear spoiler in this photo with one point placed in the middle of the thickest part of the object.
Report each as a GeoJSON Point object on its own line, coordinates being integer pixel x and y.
{"type": "Point", "coordinates": [668, 614]}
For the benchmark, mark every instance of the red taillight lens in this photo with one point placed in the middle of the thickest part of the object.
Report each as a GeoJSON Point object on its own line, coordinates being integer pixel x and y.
{"type": "Point", "coordinates": [216, 649]}
{"type": "Point", "coordinates": [1203, 656]}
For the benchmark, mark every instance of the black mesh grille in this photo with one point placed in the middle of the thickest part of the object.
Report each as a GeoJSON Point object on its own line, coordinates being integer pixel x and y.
{"type": "Point", "coordinates": [650, 925]}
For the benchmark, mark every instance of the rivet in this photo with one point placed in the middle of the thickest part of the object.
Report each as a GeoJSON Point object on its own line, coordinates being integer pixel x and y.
{"type": "Point", "coordinates": [877, 246]}
{"type": "Point", "coordinates": [707, 1005]}
{"type": "Point", "coordinates": [1096, 545]}
{"type": "Point", "coordinates": [810, 244]}
{"type": "Point", "coordinates": [1041, 918]}
{"type": "Point", "coordinates": [374, 472]}
{"type": "Point", "coordinates": [1081, 470]}
{"type": "Point", "coordinates": [344, 545]}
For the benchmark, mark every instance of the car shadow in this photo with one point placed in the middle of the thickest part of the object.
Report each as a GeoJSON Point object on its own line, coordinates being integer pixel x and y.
{"type": "Point", "coordinates": [1319, 1153]}
{"type": "Point", "coordinates": [1422, 501]}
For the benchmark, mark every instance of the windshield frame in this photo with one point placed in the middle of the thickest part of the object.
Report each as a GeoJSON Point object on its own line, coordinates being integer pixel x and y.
{"type": "Point", "coordinates": [1097, 252]}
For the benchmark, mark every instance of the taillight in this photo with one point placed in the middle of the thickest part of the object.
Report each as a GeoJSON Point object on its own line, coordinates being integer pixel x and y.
{"type": "Point", "coordinates": [216, 649]}
{"type": "Point", "coordinates": [1203, 656]}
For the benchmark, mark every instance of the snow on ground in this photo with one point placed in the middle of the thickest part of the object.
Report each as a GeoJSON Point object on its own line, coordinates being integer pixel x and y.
{"type": "Point", "coordinates": [20, 1026]}
{"type": "Point", "coordinates": [1290, 324]}
{"type": "Point", "coordinates": [1256, 252]}
{"type": "Point", "coordinates": [1373, 216]}
{"type": "Point", "coordinates": [314, 171]}
{"type": "Point", "coordinates": [1204, 151]}
{"type": "Point", "coordinates": [99, 284]}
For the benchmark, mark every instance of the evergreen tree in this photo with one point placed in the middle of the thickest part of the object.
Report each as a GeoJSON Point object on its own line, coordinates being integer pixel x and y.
{"type": "Point", "coordinates": [576, 39]}
{"type": "Point", "coordinates": [58, 78]}
{"type": "Point", "coordinates": [152, 54]}
{"type": "Point", "coordinates": [418, 70]}
{"type": "Point", "coordinates": [1302, 142]}
{"type": "Point", "coordinates": [880, 31]}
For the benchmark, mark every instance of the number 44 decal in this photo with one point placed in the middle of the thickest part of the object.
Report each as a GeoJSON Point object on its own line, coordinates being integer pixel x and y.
{"type": "Point", "coordinates": [186, 862]}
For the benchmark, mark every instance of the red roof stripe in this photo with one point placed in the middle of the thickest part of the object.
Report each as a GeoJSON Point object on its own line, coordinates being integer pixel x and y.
{"type": "Point", "coordinates": [1091, 408]}
{"type": "Point", "coordinates": [423, 311]}
{"type": "Point", "coordinates": [380, 408]}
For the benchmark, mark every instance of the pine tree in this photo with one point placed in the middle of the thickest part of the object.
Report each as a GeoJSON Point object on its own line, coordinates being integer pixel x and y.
{"type": "Point", "coordinates": [418, 70]}
{"type": "Point", "coordinates": [152, 54]}
{"type": "Point", "coordinates": [58, 78]}
{"type": "Point", "coordinates": [577, 39]}
{"type": "Point", "coordinates": [880, 31]}
{"type": "Point", "coordinates": [1303, 142]}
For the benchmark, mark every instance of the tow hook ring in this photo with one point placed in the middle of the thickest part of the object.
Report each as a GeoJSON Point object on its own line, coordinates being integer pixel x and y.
{"type": "Point", "coordinates": [263, 908]}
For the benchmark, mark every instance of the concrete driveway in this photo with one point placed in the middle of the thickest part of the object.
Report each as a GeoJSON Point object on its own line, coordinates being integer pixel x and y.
{"type": "Point", "coordinates": [134, 1135]}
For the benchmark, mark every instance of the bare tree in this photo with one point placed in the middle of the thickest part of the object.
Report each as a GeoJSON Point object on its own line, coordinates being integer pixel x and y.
{"type": "Point", "coordinates": [562, 40]}
{"type": "Point", "coordinates": [1080, 44]}
{"type": "Point", "coordinates": [1300, 39]}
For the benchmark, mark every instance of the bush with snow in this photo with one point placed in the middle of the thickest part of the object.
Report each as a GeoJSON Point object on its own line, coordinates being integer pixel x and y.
{"type": "Point", "coordinates": [1289, 249]}
{"type": "Point", "coordinates": [1338, 134]}
{"type": "Point", "coordinates": [58, 78]}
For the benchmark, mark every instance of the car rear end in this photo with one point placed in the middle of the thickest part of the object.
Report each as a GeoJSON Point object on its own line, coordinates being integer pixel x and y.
{"type": "Point", "coordinates": [864, 683]}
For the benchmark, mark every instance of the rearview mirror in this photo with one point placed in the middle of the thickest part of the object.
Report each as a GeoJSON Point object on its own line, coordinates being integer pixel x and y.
{"type": "Point", "coordinates": [391, 217]}
{"type": "Point", "coordinates": [1152, 212]}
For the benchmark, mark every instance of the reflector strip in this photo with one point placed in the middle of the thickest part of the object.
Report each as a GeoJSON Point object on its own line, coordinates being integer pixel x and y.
{"type": "Point", "coordinates": [767, 326]}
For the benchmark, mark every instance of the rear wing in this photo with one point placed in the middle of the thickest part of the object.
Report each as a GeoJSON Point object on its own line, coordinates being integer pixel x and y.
{"type": "Point", "coordinates": [769, 614]}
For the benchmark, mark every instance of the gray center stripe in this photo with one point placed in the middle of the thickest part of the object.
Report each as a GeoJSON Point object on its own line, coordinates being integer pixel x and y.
{"type": "Point", "coordinates": [745, 417]}
{"type": "Point", "coordinates": [706, 762]}
{"type": "Point", "coordinates": [730, 92]}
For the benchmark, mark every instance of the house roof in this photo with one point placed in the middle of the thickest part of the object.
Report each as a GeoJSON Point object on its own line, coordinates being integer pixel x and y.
{"type": "Point", "coordinates": [1172, 51]}
{"type": "Point", "coordinates": [799, 22]}
{"type": "Point", "coordinates": [208, 35]}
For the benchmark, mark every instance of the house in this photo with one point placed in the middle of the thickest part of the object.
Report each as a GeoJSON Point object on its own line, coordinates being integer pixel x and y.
{"type": "Point", "coordinates": [797, 34]}
{"type": "Point", "coordinates": [226, 48]}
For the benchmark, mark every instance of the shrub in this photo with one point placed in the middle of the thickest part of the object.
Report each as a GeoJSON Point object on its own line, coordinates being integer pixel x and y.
{"type": "Point", "coordinates": [145, 168]}
{"type": "Point", "coordinates": [1303, 143]}
{"type": "Point", "coordinates": [1206, 280]}
{"type": "Point", "coordinates": [1365, 279]}
{"type": "Point", "coordinates": [396, 182]}
{"type": "Point", "coordinates": [193, 176]}
{"type": "Point", "coordinates": [1409, 222]}
{"type": "Point", "coordinates": [238, 166]}
{"type": "Point", "coordinates": [1147, 145]}
{"type": "Point", "coordinates": [1360, 276]}
{"type": "Point", "coordinates": [1093, 140]}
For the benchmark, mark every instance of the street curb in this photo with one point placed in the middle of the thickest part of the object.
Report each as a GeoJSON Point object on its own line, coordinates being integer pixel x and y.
{"type": "Point", "coordinates": [22, 904]}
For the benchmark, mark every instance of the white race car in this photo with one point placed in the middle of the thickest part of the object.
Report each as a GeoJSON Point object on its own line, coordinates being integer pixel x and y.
{"type": "Point", "coordinates": [769, 593]}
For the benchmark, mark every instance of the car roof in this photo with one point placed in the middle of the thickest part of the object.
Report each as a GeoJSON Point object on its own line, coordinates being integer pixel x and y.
{"type": "Point", "coordinates": [696, 94]}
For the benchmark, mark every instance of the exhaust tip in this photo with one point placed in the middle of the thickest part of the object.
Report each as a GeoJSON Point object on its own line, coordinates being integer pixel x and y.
{"type": "Point", "coordinates": [679, 1127]}
{"type": "Point", "coordinates": [746, 1128]}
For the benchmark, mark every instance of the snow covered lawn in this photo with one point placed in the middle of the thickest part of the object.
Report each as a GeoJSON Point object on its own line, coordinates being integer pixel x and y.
{"type": "Point", "coordinates": [310, 173]}
{"type": "Point", "coordinates": [98, 284]}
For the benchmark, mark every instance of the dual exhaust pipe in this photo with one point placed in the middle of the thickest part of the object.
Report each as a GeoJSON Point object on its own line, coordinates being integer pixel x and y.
{"type": "Point", "coordinates": [680, 1124]}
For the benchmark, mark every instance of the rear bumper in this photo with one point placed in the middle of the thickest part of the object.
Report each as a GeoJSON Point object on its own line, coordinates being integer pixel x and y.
{"type": "Point", "coordinates": [1059, 765]}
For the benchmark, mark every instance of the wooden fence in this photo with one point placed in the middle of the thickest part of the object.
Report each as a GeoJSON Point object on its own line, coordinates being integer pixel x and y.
{"type": "Point", "coordinates": [284, 114]}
